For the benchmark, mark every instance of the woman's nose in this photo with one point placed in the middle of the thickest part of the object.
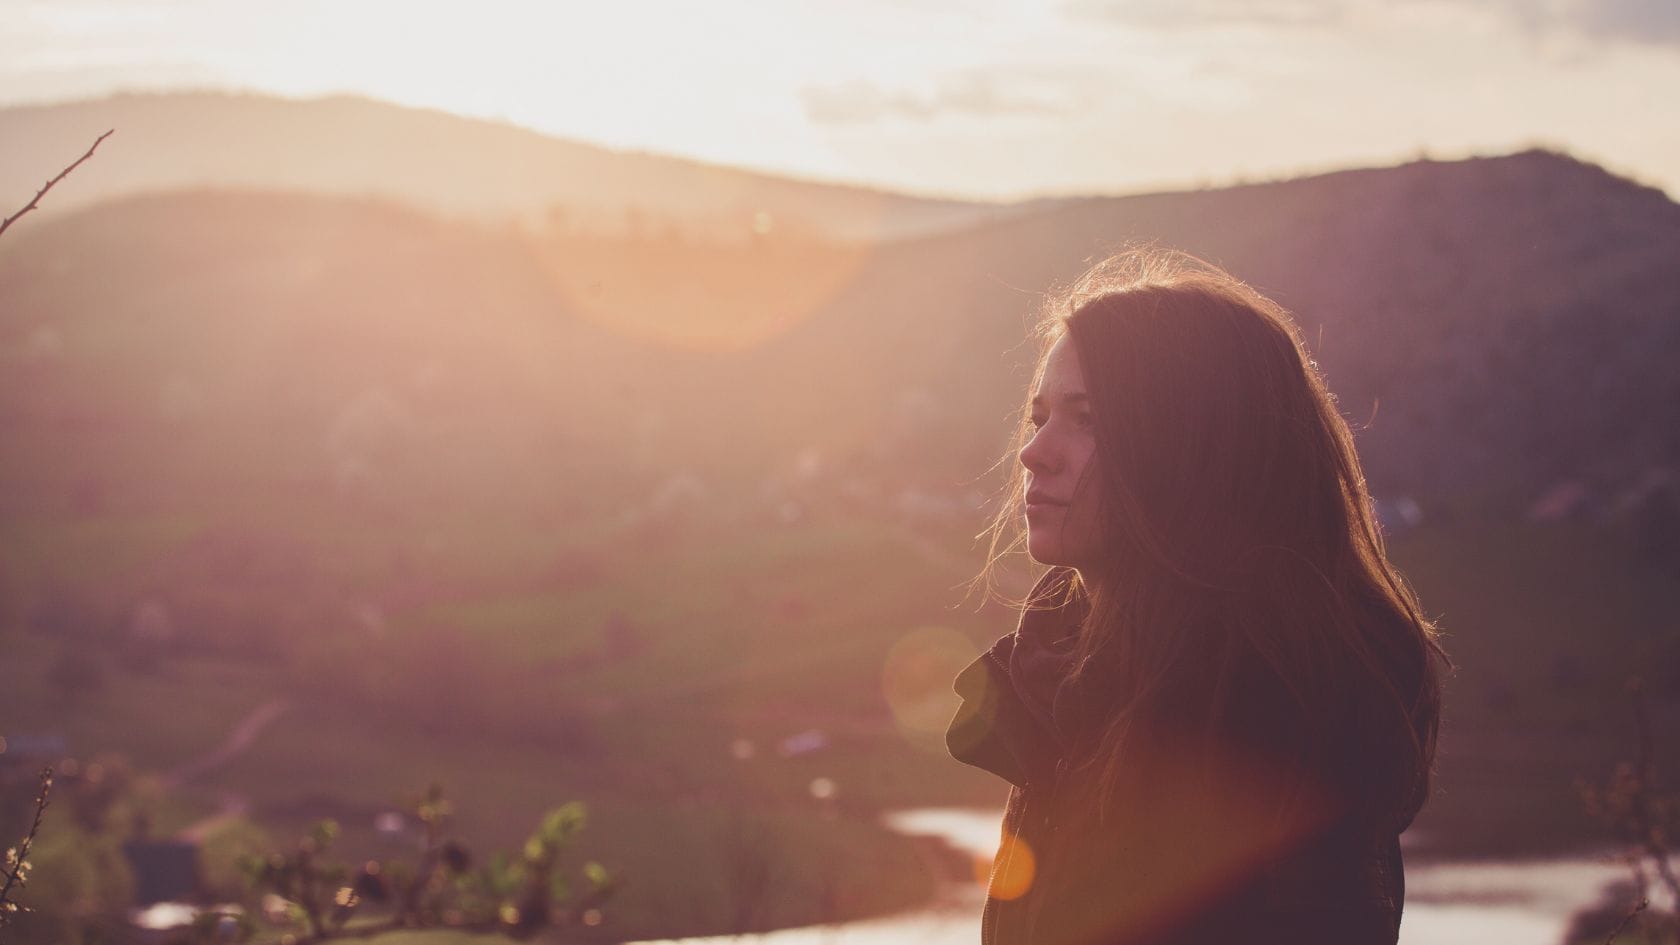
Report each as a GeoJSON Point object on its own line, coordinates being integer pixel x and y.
{"type": "Point", "coordinates": [1037, 455]}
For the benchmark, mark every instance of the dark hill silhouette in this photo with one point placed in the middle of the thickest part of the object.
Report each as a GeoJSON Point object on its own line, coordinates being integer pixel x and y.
{"type": "Point", "coordinates": [443, 163]}
{"type": "Point", "coordinates": [1494, 325]}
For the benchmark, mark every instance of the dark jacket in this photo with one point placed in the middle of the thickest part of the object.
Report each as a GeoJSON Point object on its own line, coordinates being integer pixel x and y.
{"type": "Point", "coordinates": [1169, 857]}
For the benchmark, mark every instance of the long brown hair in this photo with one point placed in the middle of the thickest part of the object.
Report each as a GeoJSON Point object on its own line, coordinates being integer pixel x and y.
{"type": "Point", "coordinates": [1247, 596]}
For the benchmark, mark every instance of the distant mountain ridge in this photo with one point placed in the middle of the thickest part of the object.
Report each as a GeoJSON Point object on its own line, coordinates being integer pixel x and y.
{"type": "Point", "coordinates": [1492, 327]}
{"type": "Point", "coordinates": [1499, 320]}
{"type": "Point", "coordinates": [442, 163]}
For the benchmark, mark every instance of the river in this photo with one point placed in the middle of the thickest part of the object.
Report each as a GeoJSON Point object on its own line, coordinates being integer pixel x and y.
{"type": "Point", "coordinates": [1470, 903]}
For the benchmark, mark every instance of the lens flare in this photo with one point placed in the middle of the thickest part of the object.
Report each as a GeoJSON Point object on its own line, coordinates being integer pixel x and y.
{"type": "Point", "coordinates": [1013, 869]}
{"type": "Point", "coordinates": [916, 681]}
{"type": "Point", "coordinates": [731, 290]}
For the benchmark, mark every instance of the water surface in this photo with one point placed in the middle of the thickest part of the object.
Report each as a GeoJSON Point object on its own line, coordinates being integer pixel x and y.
{"type": "Point", "coordinates": [1525, 902]}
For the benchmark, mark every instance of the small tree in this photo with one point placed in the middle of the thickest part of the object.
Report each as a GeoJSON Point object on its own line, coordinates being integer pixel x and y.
{"type": "Point", "coordinates": [1646, 818]}
{"type": "Point", "coordinates": [312, 899]}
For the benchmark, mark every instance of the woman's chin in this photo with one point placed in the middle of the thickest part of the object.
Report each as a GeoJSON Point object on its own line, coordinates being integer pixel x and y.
{"type": "Point", "coordinates": [1045, 553]}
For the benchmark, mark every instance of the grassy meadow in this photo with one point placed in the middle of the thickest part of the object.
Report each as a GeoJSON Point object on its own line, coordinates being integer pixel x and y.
{"type": "Point", "coordinates": [503, 683]}
{"type": "Point", "coordinates": [625, 669]}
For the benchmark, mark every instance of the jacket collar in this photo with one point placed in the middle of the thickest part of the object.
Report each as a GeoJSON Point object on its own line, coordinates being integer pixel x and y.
{"type": "Point", "coordinates": [1008, 722]}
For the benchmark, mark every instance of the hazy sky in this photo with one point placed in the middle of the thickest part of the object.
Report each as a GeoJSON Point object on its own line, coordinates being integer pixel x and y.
{"type": "Point", "coordinates": [973, 97]}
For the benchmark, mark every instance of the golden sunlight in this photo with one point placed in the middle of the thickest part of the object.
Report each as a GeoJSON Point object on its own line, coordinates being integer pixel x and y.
{"type": "Point", "coordinates": [730, 285]}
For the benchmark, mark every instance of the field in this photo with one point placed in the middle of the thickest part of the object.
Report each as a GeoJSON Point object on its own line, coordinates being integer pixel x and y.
{"type": "Point", "coordinates": [516, 700]}
{"type": "Point", "coordinates": [652, 670]}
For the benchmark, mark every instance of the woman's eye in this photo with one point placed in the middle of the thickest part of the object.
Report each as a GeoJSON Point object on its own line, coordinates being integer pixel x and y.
{"type": "Point", "coordinates": [1036, 421]}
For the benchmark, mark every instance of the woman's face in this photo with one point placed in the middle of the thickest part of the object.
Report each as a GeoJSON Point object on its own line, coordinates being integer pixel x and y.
{"type": "Point", "coordinates": [1060, 459]}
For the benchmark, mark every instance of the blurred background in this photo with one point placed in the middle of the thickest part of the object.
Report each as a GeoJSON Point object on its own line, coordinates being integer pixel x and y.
{"type": "Point", "coordinates": [599, 403]}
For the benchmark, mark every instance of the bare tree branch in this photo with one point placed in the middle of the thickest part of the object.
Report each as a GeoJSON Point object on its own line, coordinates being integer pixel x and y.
{"type": "Point", "coordinates": [1621, 926]}
{"type": "Point", "coordinates": [49, 184]}
{"type": "Point", "coordinates": [18, 858]}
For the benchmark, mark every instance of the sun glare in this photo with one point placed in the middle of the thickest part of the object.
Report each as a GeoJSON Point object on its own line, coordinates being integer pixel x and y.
{"type": "Point", "coordinates": [733, 287]}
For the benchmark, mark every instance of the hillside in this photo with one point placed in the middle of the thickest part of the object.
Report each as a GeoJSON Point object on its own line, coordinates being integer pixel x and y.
{"type": "Point", "coordinates": [1492, 326]}
{"type": "Point", "coordinates": [442, 163]}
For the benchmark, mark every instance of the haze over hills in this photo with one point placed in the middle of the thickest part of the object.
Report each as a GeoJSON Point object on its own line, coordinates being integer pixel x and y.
{"type": "Point", "coordinates": [1493, 327]}
{"type": "Point", "coordinates": [443, 163]}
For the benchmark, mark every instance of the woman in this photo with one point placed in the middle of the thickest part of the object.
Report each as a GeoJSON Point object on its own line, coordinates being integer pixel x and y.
{"type": "Point", "coordinates": [1219, 710]}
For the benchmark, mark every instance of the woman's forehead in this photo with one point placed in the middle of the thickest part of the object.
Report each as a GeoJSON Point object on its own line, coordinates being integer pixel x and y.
{"type": "Point", "coordinates": [1062, 378]}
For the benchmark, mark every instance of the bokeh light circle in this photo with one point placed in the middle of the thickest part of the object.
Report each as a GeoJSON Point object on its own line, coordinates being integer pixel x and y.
{"type": "Point", "coordinates": [916, 679]}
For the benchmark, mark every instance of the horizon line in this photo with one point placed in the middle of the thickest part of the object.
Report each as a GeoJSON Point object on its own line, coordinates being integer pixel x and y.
{"type": "Point", "coordinates": [812, 178]}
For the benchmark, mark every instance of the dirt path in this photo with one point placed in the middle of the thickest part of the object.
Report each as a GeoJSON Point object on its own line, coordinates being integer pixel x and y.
{"type": "Point", "coordinates": [231, 805]}
{"type": "Point", "coordinates": [243, 734]}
